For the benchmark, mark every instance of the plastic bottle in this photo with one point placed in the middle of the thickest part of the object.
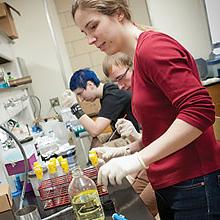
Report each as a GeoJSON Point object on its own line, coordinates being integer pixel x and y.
{"type": "Point", "coordinates": [71, 157]}
{"type": "Point", "coordinates": [84, 197]}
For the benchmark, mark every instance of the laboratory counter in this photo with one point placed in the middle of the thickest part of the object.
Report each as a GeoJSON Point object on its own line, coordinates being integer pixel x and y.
{"type": "Point", "coordinates": [125, 200]}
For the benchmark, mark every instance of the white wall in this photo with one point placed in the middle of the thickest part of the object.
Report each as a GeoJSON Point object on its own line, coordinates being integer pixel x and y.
{"type": "Point", "coordinates": [185, 20]}
{"type": "Point", "coordinates": [139, 12]}
{"type": "Point", "coordinates": [35, 45]}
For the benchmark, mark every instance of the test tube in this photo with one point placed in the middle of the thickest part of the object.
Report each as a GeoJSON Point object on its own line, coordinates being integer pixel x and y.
{"type": "Point", "coordinates": [39, 174]}
{"type": "Point", "coordinates": [52, 171]}
{"type": "Point", "coordinates": [65, 167]}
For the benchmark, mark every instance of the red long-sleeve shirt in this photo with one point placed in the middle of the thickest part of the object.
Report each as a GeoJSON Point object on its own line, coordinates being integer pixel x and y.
{"type": "Point", "coordinates": [166, 86]}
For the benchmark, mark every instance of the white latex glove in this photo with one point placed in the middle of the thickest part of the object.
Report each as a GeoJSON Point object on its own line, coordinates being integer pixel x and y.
{"type": "Point", "coordinates": [118, 168]}
{"type": "Point", "coordinates": [106, 153]}
{"type": "Point", "coordinates": [68, 99]}
{"type": "Point", "coordinates": [126, 129]}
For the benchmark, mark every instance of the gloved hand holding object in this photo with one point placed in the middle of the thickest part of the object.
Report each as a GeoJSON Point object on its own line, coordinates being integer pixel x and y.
{"type": "Point", "coordinates": [69, 100]}
{"type": "Point", "coordinates": [106, 153]}
{"type": "Point", "coordinates": [117, 168]}
{"type": "Point", "coordinates": [126, 129]}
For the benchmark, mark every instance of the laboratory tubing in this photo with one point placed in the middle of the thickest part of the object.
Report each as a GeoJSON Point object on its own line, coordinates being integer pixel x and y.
{"type": "Point", "coordinates": [84, 197]}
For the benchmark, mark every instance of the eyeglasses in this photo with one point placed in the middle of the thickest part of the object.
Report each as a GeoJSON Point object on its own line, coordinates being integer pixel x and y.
{"type": "Point", "coordinates": [120, 77]}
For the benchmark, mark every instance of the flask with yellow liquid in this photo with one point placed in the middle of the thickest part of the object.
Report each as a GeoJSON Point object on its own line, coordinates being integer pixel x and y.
{"type": "Point", "coordinates": [84, 197]}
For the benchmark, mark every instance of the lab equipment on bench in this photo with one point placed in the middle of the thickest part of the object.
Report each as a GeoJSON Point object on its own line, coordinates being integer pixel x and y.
{"type": "Point", "coordinates": [117, 216]}
{"type": "Point", "coordinates": [84, 197]}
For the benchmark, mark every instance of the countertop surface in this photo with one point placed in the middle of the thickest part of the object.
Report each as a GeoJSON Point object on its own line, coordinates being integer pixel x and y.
{"type": "Point", "coordinates": [126, 202]}
{"type": "Point", "coordinates": [211, 81]}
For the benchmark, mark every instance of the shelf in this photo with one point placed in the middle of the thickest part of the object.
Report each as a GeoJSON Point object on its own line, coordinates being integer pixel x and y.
{"type": "Point", "coordinates": [4, 60]}
{"type": "Point", "coordinates": [14, 88]}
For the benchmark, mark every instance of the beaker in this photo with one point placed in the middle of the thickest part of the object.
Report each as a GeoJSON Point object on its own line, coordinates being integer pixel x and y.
{"type": "Point", "coordinates": [28, 213]}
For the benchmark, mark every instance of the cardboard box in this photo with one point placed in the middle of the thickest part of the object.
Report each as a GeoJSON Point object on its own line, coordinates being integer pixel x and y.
{"type": "Point", "coordinates": [7, 24]}
{"type": "Point", "coordinates": [5, 198]}
{"type": "Point", "coordinates": [6, 203]}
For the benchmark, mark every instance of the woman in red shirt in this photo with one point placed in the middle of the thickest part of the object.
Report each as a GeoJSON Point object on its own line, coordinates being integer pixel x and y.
{"type": "Point", "coordinates": [178, 146]}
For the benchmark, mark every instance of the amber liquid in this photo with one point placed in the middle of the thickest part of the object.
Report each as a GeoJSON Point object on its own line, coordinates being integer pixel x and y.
{"type": "Point", "coordinates": [87, 206]}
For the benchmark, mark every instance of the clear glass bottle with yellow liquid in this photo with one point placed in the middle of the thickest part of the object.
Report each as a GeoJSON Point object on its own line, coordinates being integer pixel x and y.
{"type": "Point", "coordinates": [84, 197]}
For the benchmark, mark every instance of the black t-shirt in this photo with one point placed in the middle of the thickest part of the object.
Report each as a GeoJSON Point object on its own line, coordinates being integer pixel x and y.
{"type": "Point", "coordinates": [115, 103]}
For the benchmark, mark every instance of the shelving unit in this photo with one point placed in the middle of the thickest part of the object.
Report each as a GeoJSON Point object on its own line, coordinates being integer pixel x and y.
{"type": "Point", "coordinates": [13, 104]}
{"type": "Point", "coordinates": [22, 87]}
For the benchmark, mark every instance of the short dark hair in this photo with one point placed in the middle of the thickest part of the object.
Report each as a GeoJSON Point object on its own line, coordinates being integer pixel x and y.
{"type": "Point", "coordinates": [80, 78]}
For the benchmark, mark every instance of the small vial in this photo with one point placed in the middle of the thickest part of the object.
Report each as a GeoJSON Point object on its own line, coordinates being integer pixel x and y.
{"type": "Point", "coordinates": [37, 164]}
{"type": "Point", "coordinates": [64, 165]}
{"type": "Point", "coordinates": [54, 161]}
{"type": "Point", "coordinates": [39, 174]}
{"type": "Point", "coordinates": [93, 157]}
{"type": "Point", "coordinates": [95, 160]}
{"type": "Point", "coordinates": [52, 171]}
{"type": "Point", "coordinates": [60, 158]}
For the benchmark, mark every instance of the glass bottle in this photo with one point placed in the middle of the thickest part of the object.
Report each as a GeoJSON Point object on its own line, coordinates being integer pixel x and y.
{"type": "Point", "coordinates": [84, 197]}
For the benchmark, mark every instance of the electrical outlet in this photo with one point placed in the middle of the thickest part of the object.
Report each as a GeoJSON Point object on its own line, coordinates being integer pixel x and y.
{"type": "Point", "coordinates": [54, 102]}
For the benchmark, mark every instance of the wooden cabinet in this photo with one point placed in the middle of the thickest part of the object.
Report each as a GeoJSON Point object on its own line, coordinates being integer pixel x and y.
{"type": "Point", "coordinates": [214, 91]}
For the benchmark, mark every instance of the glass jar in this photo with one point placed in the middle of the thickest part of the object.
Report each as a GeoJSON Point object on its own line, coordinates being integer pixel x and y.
{"type": "Point", "coordinates": [84, 197]}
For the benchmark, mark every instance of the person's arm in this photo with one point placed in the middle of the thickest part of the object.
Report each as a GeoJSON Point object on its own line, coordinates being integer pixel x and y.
{"type": "Point", "coordinates": [179, 135]}
{"type": "Point", "coordinates": [94, 127]}
{"type": "Point", "coordinates": [135, 146]}
{"type": "Point", "coordinates": [170, 142]}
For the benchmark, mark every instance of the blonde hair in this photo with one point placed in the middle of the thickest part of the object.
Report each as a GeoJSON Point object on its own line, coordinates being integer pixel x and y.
{"type": "Point", "coordinates": [107, 7]}
{"type": "Point", "coordinates": [118, 59]}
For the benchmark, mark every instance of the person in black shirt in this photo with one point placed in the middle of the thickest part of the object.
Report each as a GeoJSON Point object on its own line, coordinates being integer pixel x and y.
{"type": "Point", "coordinates": [115, 103]}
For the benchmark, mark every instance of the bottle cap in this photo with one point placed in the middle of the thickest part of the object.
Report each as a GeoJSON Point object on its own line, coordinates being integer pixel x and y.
{"type": "Point", "coordinates": [94, 159]}
{"type": "Point", "coordinates": [64, 165]}
{"type": "Point", "coordinates": [92, 152]}
{"type": "Point", "coordinates": [54, 161]}
{"type": "Point", "coordinates": [60, 158]}
{"type": "Point", "coordinates": [39, 173]}
{"type": "Point", "coordinates": [36, 164]}
{"type": "Point", "coordinates": [51, 168]}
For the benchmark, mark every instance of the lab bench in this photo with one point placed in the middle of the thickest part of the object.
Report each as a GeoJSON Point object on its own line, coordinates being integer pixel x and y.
{"type": "Point", "coordinates": [125, 200]}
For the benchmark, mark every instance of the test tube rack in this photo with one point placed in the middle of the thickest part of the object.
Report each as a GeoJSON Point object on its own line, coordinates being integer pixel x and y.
{"type": "Point", "coordinates": [54, 192]}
